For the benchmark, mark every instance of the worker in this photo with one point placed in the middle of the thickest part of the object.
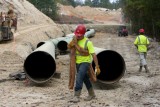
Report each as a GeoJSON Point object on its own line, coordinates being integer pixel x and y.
{"type": "Point", "coordinates": [83, 61]}
{"type": "Point", "coordinates": [142, 43]}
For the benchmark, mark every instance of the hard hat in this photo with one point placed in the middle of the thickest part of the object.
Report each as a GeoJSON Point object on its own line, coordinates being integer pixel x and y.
{"type": "Point", "coordinates": [141, 30]}
{"type": "Point", "coordinates": [80, 30]}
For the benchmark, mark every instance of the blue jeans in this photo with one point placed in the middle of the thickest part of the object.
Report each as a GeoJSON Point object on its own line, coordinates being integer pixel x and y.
{"type": "Point", "coordinates": [82, 76]}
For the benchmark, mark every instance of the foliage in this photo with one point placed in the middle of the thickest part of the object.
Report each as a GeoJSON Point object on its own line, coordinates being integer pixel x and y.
{"type": "Point", "coordinates": [88, 2]}
{"type": "Point", "coordinates": [67, 2]}
{"type": "Point", "coordinates": [48, 7]}
{"type": "Point", "coordinates": [143, 14]}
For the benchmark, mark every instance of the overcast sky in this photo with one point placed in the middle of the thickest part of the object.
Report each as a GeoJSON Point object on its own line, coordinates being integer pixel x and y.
{"type": "Point", "coordinates": [109, 0]}
{"type": "Point", "coordinates": [112, 0]}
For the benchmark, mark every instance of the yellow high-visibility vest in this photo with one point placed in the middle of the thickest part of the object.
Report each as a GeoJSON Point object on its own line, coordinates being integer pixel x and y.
{"type": "Point", "coordinates": [141, 42]}
{"type": "Point", "coordinates": [90, 48]}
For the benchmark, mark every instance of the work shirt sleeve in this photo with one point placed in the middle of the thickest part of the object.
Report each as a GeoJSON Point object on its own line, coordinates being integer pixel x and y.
{"type": "Point", "coordinates": [90, 47]}
{"type": "Point", "coordinates": [136, 41]}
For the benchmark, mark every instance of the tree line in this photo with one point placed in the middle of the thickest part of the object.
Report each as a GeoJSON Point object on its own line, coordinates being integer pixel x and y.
{"type": "Point", "coordinates": [49, 7]}
{"type": "Point", "coordinates": [143, 14]}
{"type": "Point", "coordinates": [138, 13]}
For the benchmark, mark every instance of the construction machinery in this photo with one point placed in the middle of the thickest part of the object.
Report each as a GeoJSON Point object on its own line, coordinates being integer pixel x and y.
{"type": "Point", "coordinates": [5, 33]}
{"type": "Point", "coordinates": [5, 29]}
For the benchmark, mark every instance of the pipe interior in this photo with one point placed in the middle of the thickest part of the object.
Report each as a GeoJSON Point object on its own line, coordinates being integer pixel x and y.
{"type": "Point", "coordinates": [39, 44]}
{"type": "Point", "coordinates": [62, 45]}
{"type": "Point", "coordinates": [112, 66]}
{"type": "Point", "coordinates": [40, 66]}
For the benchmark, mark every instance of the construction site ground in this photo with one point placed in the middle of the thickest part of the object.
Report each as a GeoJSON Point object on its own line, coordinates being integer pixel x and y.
{"type": "Point", "coordinates": [135, 89]}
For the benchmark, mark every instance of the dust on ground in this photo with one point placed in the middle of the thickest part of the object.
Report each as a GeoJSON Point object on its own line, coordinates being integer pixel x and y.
{"type": "Point", "coordinates": [133, 90]}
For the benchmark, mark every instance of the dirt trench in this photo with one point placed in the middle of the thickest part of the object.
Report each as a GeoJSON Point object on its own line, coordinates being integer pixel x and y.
{"type": "Point", "coordinates": [134, 89]}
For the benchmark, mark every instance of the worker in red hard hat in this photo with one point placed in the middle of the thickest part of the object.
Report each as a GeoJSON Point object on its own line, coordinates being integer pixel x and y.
{"type": "Point", "coordinates": [83, 60]}
{"type": "Point", "coordinates": [142, 44]}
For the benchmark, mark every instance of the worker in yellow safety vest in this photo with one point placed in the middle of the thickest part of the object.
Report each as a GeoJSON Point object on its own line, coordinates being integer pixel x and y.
{"type": "Point", "coordinates": [142, 42]}
{"type": "Point", "coordinates": [83, 61]}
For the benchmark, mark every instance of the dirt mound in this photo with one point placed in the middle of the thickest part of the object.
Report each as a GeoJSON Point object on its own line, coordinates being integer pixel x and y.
{"type": "Point", "coordinates": [26, 12]}
{"type": "Point", "coordinates": [94, 15]}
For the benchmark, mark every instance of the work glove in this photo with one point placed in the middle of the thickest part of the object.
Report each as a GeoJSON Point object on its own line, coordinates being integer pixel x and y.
{"type": "Point", "coordinates": [72, 43]}
{"type": "Point", "coordinates": [97, 70]}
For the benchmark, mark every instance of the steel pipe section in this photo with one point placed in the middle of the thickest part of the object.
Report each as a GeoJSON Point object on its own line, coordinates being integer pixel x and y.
{"type": "Point", "coordinates": [90, 33]}
{"type": "Point", "coordinates": [54, 41]}
{"type": "Point", "coordinates": [62, 44]}
{"type": "Point", "coordinates": [40, 65]}
{"type": "Point", "coordinates": [112, 66]}
{"type": "Point", "coordinates": [41, 43]}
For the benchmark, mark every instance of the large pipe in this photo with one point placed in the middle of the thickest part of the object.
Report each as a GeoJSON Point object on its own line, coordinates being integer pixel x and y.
{"type": "Point", "coordinates": [54, 41]}
{"type": "Point", "coordinates": [62, 45]}
{"type": "Point", "coordinates": [112, 66]}
{"type": "Point", "coordinates": [61, 42]}
{"type": "Point", "coordinates": [89, 33]}
{"type": "Point", "coordinates": [40, 65]}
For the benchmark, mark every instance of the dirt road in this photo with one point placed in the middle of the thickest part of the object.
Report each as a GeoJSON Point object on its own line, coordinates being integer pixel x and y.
{"type": "Point", "coordinates": [133, 90]}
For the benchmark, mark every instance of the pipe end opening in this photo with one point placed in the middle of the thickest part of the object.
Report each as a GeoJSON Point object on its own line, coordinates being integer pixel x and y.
{"type": "Point", "coordinates": [39, 66]}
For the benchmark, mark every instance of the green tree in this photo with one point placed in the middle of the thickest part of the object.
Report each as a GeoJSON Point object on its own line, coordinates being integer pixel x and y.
{"type": "Point", "coordinates": [88, 2]}
{"type": "Point", "coordinates": [143, 14]}
{"type": "Point", "coordinates": [95, 3]}
{"type": "Point", "coordinates": [48, 7]}
{"type": "Point", "coordinates": [104, 3]}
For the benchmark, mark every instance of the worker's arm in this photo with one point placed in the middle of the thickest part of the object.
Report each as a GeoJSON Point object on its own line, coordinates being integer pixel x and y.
{"type": "Point", "coordinates": [136, 43]}
{"type": "Point", "coordinates": [95, 59]}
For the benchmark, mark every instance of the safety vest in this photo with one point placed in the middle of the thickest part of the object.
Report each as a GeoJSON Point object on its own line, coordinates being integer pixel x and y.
{"type": "Point", "coordinates": [85, 48]}
{"type": "Point", "coordinates": [87, 45]}
{"type": "Point", "coordinates": [141, 42]}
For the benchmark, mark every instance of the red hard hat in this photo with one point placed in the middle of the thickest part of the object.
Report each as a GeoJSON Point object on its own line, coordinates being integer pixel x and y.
{"type": "Point", "coordinates": [141, 30]}
{"type": "Point", "coordinates": [80, 30]}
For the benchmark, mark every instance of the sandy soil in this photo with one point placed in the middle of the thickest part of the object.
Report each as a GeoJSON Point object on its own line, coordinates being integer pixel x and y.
{"type": "Point", "coordinates": [133, 90]}
{"type": "Point", "coordinates": [95, 15]}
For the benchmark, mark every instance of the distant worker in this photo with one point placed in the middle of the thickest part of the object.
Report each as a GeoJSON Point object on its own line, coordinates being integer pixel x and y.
{"type": "Point", "coordinates": [84, 52]}
{"type": "Point", "coordinates": [142, 43]}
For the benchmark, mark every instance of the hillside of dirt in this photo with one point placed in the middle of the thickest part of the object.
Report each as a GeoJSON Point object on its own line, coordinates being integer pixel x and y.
{"type": "Point", "coordinates": [135, 89]}
{"type": "Point", "coordinates": [92, 15]}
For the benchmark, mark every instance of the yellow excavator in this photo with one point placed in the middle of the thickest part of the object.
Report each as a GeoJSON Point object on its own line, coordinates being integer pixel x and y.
{"type": "Point", "coordinates": [6, 24]}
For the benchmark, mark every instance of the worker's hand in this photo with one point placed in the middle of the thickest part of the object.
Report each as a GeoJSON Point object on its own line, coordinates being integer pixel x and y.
{"type": "Point", "coordinates": [75, 40]}
{"type": "Point", "coordinates": [71, 44]}
{"type": "Point", "coordinates": [97, 70]}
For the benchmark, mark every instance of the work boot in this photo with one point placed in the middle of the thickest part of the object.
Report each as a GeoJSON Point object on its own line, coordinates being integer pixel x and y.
{"type": "Point", "coordinates": [140, 69]}
{"type": "Point", "coordinates": [146, 68]}
{"type": "Point", "coordinates": [76, 98]}
{"type": "Point", "coordinates": [91, 95]}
